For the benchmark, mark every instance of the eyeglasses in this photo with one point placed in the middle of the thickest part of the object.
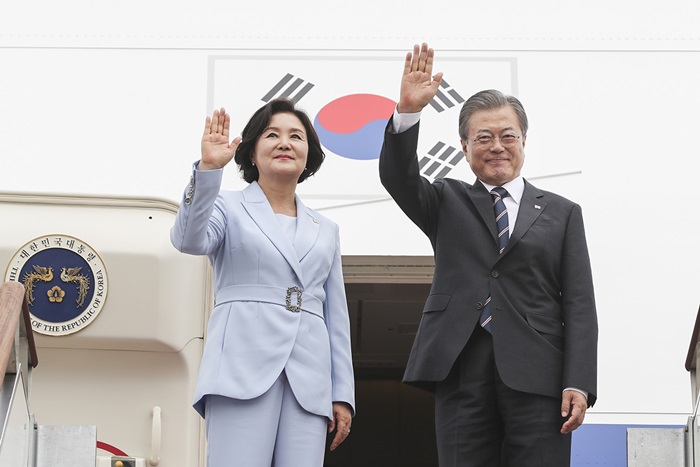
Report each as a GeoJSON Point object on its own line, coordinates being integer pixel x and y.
{"type": "Point", "coordinates": [507, 141]}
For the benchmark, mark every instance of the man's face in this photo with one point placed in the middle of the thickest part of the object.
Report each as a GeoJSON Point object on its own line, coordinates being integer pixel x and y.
{"type": "Point", "coordinates": [490, 160]}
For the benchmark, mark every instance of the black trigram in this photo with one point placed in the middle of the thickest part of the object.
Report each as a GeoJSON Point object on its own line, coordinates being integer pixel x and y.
{"type": "Point", "coordinates": [290, 87]}
{"type": "Point", "coordinates": [439, 161]}
{"type": "Point", "coordinates": [446, 97]}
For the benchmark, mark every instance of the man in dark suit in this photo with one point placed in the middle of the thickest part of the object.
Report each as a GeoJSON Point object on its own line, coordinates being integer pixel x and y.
{"type": "Point", "coordinates": [508, 337]}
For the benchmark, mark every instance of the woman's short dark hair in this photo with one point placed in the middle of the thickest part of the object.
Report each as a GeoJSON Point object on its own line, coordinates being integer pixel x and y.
{"type": "Point", "coordinates": [259, 122]}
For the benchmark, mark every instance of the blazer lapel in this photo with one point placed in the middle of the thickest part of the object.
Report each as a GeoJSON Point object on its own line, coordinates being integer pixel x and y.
{"type": "Point", "coordinates": [531, 206]}
{"type": "Point", "coordinates": [484, 204]}
{"type": "Point", "coordinates": [308, 228]}
{"type": "Point", "coordinates": [256, 204]}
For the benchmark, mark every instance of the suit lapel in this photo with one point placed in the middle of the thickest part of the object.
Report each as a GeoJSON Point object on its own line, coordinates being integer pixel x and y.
{"type": "Point", "coordinates": [256, 204]}
{"type": "Point", "coordinates": [531, 206]}
{"type": "Point", "coordinates": [308, 228]}
{"type": "Point", "coordinates": [484, 204]}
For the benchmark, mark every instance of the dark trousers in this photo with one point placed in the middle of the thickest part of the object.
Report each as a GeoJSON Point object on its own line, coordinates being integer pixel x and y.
{"type": "Point", "coordinates": [480, 422]}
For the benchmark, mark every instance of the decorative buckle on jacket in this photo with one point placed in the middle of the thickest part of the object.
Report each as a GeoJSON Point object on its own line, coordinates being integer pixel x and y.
{"type": "Point", "coordinates": [288, 300]}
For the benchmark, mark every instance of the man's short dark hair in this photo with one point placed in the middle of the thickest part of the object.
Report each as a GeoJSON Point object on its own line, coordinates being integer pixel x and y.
{"type": "Point", "coordinates": [489, 100]}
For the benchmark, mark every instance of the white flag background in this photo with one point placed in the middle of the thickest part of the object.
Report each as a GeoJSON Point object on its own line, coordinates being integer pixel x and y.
{"type": "Point", "coordinates": [239, 82]}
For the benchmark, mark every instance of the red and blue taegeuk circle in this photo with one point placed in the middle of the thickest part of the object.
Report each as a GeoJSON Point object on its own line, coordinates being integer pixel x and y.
{"type": "Point", "coordinates": [352, 126]}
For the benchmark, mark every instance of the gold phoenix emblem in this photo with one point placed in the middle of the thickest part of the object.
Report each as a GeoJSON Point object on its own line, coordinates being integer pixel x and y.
{"type": "Point", "coordinates": [82, 281]}
{"type": "Point", "coordinates": [68, 275]}
{"type": "Point", "coordinates": [49, 283]}
{"type": "Point", "coordinates": [40, 274]}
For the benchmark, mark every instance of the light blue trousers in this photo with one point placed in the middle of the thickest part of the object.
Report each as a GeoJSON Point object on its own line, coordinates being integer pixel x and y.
{"type": "Point", "coordinates": [270, 430]}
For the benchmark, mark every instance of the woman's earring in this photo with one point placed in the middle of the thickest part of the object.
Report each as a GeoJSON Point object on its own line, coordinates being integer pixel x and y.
{"type": "Point", "coordinates": [253, 162]}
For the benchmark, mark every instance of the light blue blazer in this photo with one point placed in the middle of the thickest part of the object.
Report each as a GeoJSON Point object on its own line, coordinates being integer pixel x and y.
{"type": "Point", "coordinates": [279, 305]}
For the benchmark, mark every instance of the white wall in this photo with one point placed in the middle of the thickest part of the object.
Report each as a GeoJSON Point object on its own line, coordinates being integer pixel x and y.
{"type": "Point", "coordinates": [110, 99]}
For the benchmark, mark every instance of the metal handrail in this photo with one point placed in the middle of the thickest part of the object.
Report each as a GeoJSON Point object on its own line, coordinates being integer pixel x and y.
{"type": "Point", "coordinates": [14, 323]}
{"type": "Point", "coordinates": [690, 359]}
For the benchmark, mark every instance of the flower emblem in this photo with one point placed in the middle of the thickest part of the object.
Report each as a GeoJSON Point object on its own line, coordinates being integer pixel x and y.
{"type": "Point", "coordinates": [56, 294]}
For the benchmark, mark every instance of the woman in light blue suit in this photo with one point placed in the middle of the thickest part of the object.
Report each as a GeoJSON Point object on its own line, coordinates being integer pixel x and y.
{"type": "Point", "coordinates": [276, 374]}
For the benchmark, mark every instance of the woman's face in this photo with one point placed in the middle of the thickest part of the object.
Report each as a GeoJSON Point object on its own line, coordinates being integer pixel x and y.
{"type": "Point", "coordinates": [282, 149]}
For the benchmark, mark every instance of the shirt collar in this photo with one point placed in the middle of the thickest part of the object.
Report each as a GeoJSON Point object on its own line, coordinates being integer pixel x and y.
{"type": "Point", "coordinates": [515, 188]}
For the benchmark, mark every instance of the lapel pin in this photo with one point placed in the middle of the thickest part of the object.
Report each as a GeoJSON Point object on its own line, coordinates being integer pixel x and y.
{"type": "Point", "coordinates": [315, 221]}
{"type": "Point", "coordinates": [537, 206]}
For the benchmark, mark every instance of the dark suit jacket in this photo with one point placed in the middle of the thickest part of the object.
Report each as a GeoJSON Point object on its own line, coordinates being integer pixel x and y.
{"type": "Point", "coordinates": [544, 323]}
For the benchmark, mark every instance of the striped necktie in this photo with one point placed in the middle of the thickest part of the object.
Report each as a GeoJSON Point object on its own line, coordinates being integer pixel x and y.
{"type": "Point", "coordinates": [501, 213]}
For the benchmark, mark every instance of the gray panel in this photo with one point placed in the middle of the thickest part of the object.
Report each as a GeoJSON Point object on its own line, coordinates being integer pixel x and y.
{"type": "Point", "coordinates": [653, 447]}
{"type": "Point", "coordinates": [14, 423]}
{"type": "Point", "coordinates": [66, 446]}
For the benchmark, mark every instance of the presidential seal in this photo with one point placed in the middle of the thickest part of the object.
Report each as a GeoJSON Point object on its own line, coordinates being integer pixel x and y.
{"type": "Point", "coordinates": [65, 283]}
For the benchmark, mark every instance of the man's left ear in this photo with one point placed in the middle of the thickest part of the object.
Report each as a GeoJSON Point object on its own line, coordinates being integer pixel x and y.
{"type": "Point", "coordinates": [524, 138]}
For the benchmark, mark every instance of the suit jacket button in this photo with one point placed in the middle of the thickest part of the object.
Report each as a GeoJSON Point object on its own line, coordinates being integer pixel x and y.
{"type": "Point", "coordinates": [479, 305]}
{"type": "Point", "coordinates": [494, 274]}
